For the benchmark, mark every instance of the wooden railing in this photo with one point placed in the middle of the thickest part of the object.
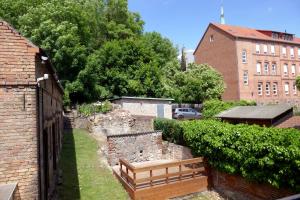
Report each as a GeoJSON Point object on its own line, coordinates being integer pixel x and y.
{"type": "Point", "coordinates": [161, 173]}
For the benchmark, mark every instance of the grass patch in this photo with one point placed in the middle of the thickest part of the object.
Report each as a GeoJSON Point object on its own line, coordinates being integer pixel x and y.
{"type": "Point", "coordinates": [83, 176]}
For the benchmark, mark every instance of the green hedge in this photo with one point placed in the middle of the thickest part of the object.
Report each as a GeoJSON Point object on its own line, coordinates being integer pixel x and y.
{"type": "Point", "coordinates": [269, 155]}
{"type": "Point", "coordinates": [171, 130]}
{"type": "Point", "coordinates": [214, 107]}
{"type": "Point", "coordinates": [89, 109]}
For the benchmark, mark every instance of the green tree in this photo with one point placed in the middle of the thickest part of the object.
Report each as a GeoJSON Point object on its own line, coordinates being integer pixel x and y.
{"type": "Point", "coordinates": [121, 67]}
{"type": "Point", "coordinates": [97, 46]}
{"type": "Point", "coordinates": [183, 60]}
{"type": "Point", "coordinates": [298, 82]}
{"type": "Point", "coordinates": [198, 83]}
{"type": "Point", "coordinates": [163, 47]}
{"type": "Point", "coordinates": [12, 10]}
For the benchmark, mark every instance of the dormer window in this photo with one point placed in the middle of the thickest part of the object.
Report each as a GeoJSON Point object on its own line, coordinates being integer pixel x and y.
{"type": "Point", "coordinates": [275, 35]}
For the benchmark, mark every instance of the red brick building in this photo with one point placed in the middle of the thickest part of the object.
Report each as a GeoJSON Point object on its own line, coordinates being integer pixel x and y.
{"type": "Point", "coordinates": [30, 117]}
{"type": "Point", "coordinates": [258, 65]}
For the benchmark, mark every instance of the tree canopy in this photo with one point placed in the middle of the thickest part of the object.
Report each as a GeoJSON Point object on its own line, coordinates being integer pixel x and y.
{"type": "Point", "coordinates": [196, 84]}
{"type": "Point", "coordinates": [99, 50]}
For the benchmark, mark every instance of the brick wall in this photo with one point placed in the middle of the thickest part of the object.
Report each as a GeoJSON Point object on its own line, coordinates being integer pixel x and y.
{"type": "Point", "coordinates": [21, 121]}
{"type": "Point", "coordinates": [293, 122]}
{"type": "Point", "coordinates": [237, 188]}
{"type": "Point", "coordinates": [220, 54]}
{"type": "Point", "coordinates": [18, 115]}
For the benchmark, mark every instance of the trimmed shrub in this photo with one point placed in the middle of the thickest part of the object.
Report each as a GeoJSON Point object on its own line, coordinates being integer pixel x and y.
{"type": "Point", "coordinates": [89, 109]}
{"type": "Point", "coordinates": [214, 107]}
{"type": "Point", "coordinates": [171, 130]}
{"type": "Point", "coordinates": [269, 155]}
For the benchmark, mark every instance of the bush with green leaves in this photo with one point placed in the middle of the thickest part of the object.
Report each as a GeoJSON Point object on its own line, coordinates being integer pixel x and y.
{"type": "Point", "coordinates": [215, 106]}
{"type": "Point", "coordinates": [267, 155]}
{"type": "Point", "coordinates": [89, 109]}
{"type": "Point", "coordinates": [171, 130]}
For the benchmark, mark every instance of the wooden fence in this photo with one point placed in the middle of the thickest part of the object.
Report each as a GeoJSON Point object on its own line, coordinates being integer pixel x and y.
{"type": "Point", "coordinates": [160, 177]}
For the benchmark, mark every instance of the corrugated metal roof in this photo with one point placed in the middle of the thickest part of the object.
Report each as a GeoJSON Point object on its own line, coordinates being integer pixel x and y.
{"type": "Point", "coordinates": [255, 112]}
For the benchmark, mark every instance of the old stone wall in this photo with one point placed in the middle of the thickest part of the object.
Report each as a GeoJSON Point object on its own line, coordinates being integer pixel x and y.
{"type": "Point", "coordinates": [237, 188]}
{"type": "Point", "coordinates": [119, 122]}
{"type": "Point", "coordinates": [134, 147]}
{"type": "Point", "coordinates": [140, 147]}
{"type": "Point", "coordinates": [173, 151]}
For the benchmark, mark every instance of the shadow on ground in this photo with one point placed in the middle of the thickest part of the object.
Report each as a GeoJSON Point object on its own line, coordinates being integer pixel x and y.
{"type": "Point", "coordinates": [69, 189]}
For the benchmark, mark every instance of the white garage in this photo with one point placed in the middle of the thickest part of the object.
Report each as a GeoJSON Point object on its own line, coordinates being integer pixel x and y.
{"type": "Point", "coordinates": [143, 106]}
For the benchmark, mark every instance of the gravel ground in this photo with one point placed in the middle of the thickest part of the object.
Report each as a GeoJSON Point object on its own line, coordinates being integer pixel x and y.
{"type": "Point", "coordinates": [207, 195]}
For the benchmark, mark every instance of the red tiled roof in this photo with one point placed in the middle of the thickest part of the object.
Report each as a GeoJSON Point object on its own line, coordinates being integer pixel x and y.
{"type": "Point", "coordinates": [243, 32]}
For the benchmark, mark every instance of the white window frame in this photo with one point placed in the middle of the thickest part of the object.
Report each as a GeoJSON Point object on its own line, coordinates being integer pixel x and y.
{"type": "Point", "coordinates": [294, 88]}
{"type": "Point", "coordinates": [274, 68]}
{"type": "Point", "coordinates": [244, 56]}
{"type": "Point", "coordinates": [293, 69]}
{"type": "Point", "coordinates": [266, 68]}
{"type": "Point", "coordinates": [275, 88]}
{"type": "Point", "coordinates": [292, 52]}
{"type": "Point", "coordinates": [298, 52]}
{"type": "Point", "coordinates": [258, 68]}
{"type": "Point", "coordinates": [245, 77]}
{"type": "Point", "coordinates": [265, 49]}
{"type": "Point", "coordinates": [272, 49]}
{"type": "Point", "coordinates": [211, 38]}
{"type": "Point", "coordinates": [257, 48]}
{"type": "Point", "coordinates": [285, 70]}
{"type": "Point", "coordinates": [286, 88]}
{"type": "Point", "coordinates": [283, 51]}
{"type": "Point", "coordinates": [260, 88]}
{"type": "Point", "coordinates": [268, 89]}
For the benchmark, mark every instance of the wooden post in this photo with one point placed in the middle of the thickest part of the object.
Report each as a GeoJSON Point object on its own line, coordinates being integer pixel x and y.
{"type": "Point", "coordinates": [134, 178]}
{"type": "Point", "coordinates": [193, 166]}
{"type": "Point", "coordinates": [120, 169]}
{"type": "Point", "coordinates": [180, 171]}
{"type": "Point", "coordinates": [151, 177]}
{"type": "Point", "coordinates": [127, 173]}
{"type": "Point", "coordinates": [167, 172]}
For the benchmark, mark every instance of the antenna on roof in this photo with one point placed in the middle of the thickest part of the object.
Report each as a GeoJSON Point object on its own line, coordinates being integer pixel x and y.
{"type": "Point", "coordinates": [222, 14]}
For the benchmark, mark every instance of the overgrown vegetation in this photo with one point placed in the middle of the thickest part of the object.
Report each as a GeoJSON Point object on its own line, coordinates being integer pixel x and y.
{"type": "Point", "coordinates": [171, 130]}
{"type": "Point", "coordinates": [269, 155]}
{"type": "Point", "coordinates": [89, 109]}
{"type": "Point", "coordinates": [84, 176]}
{"type": "Point", "coordinates": [215, 106]}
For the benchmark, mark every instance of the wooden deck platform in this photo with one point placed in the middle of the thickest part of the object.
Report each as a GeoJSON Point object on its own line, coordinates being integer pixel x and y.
{"type": "Point", "coordinates": [162, 179]}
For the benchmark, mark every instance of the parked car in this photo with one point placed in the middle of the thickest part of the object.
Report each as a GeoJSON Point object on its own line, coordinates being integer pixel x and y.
{"type": "Point", "coordinates": [186, 113]}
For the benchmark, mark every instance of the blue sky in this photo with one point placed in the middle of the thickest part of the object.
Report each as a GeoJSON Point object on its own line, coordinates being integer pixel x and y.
{"type": "Point", "coordinates": [184, 21]}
